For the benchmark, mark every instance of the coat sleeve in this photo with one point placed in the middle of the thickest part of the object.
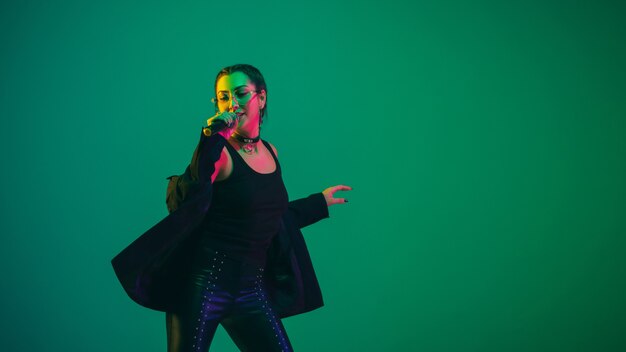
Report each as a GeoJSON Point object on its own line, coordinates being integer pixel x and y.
{"type": "Point", "coordinates": [309, 210]}
{"type": "Point", "coordinates": [197, 175]}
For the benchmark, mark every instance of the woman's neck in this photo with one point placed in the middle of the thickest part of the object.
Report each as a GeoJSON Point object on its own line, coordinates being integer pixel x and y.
{"type": "Point", "coordinates": [250, 130]}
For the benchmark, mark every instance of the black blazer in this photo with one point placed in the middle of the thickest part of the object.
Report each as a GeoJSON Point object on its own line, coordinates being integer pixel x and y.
{"type": "Point", "coordinates": [151, 268]}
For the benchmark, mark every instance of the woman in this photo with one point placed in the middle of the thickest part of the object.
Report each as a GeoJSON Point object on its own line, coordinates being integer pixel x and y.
{"type": "Point", "coordinates": [226, 284]}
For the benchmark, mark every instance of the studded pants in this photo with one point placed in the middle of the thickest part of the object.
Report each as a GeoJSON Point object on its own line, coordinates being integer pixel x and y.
{"type": "Point", "coordinates": [225, 291]}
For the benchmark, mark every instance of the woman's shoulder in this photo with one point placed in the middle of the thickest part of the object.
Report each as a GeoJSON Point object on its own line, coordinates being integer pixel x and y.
{"type": "Point", "coordinates": [223, 166]}
{"type": "Point", "coordinates": [272, 146]}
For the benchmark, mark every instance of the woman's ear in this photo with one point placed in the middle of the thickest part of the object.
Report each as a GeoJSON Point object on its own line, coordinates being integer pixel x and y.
{"type": "Point", "coordinates": [262, 99]}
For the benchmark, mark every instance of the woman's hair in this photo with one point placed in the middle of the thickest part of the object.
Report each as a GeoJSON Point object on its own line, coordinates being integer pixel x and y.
{"type": "Point", "coordinates": [253, 73]}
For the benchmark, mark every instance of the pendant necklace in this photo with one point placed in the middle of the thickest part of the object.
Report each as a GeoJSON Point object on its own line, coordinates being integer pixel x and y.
{"type": "Point", "coordinates": [249, 144]}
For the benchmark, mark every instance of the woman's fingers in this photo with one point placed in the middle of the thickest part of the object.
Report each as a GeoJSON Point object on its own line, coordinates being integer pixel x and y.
{"type": "Point", "coordinates": [229, 118]}
{"type": "Point", "coordinates": [226, 116]}
{"type": "Point", "coordinates": [339, 200]}
{"type": "Point", "coordinates": [330, 191]}
{"type": "Point", "coordinates": [340, 188]}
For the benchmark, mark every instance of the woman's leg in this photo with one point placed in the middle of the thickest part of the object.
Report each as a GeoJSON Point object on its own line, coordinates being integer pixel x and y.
{"type": "Point", "coordinates": [204, 303]}
{"type": "Point", "coordinates": [252, 323]}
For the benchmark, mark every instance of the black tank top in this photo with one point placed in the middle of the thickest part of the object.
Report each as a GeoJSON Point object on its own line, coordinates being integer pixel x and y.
{"type": "Point", "coordinates": [245, 210]}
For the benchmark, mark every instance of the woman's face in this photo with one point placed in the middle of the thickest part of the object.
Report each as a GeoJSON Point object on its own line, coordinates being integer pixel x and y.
{"type": "Point", "coordinates": [236, 93]}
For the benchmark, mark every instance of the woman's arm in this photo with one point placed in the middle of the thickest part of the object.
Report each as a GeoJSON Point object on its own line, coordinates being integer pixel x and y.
{"type": "Point", "coordinates": [309, 210]}
{"type": "Point", "coordinates": [200, 172]}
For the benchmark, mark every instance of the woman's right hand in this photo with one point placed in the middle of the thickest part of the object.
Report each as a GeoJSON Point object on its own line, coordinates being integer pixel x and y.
{"type": "Point", "coordinates": [229, 118]}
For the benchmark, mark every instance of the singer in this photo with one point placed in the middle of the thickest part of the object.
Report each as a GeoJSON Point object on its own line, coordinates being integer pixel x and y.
{"type": "Point", "coordinates": [244, 264]}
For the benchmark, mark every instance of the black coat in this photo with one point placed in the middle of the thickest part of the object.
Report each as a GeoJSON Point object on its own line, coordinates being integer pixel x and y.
{"type": "Point", "coordinates": [151, 268]}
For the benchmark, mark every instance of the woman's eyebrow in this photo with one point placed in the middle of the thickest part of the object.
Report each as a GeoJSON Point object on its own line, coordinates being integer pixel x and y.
{"type": "Point", "coordinates": [233, 89]}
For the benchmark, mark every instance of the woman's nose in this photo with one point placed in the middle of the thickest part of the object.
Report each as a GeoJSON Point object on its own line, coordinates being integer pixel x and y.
{"type": "Point", "coordinates": [234, 104]}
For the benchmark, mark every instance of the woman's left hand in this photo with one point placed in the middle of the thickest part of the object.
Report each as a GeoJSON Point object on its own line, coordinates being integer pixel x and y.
{"type": "Point", "coordinates": [330, 191]}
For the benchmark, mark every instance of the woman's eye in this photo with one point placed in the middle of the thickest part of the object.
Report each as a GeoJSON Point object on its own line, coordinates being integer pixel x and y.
{"type": "Point", "coordinates": [241, 94]}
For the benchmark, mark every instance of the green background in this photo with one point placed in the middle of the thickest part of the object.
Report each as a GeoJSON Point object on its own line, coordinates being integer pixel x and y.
{"type": "Point", "coordinates": [485, 142]}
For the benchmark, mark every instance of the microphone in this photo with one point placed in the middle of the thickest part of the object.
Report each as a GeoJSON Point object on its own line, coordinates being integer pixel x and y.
{"type": "Point", "coordinates": [219, 125]}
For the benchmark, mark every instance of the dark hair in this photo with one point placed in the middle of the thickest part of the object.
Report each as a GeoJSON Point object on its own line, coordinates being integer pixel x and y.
{"type": "Point", "coordinates": [253, 73]}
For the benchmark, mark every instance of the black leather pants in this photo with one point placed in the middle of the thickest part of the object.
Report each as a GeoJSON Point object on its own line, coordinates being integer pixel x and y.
{"type": "Point", "coordinates": [230, 292]}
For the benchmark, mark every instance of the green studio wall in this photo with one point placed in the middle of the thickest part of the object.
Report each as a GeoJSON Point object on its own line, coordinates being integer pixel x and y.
{"type": "Point", "coordinates": [485, 142]}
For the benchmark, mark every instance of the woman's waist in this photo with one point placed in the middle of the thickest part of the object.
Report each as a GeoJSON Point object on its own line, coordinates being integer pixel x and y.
{"type": "Point", "coordinates": [210, 252]}
{"type": "Point", "coordinates": [241, 242]}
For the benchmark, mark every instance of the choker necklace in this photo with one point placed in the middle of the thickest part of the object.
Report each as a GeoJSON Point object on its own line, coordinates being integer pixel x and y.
{"type": "Point", "coordinates": [249, 144]}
